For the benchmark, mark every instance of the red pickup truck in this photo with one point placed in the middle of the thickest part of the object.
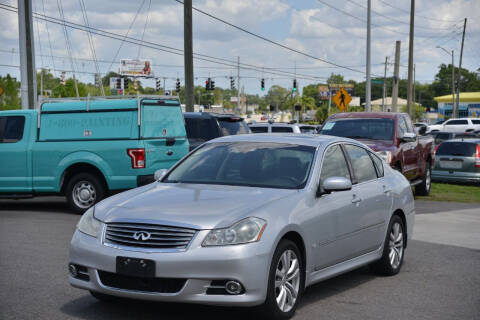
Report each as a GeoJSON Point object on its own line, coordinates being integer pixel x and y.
{"type": "Point", "coordinates": [393, 137]}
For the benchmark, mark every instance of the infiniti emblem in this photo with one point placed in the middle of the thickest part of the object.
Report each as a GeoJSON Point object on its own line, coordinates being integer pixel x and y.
{"type": "Point", "coordinates": [141, 235]}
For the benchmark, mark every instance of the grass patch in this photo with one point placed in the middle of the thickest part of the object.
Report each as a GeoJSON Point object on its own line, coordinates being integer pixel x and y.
{"type": "Point", "coordinates": [453, 192]}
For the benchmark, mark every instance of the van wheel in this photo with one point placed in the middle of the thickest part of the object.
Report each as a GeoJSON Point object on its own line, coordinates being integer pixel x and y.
{"type": "Point", "coordinates": [285, 282]}
{"type": "Point", "coordinates": [83, 190]}
{"type": "Point", "coordinates": [423, 189]}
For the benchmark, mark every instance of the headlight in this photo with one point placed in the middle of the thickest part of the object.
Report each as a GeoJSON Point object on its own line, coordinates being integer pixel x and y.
{"type": "Point", "coordinates": [88, 224]}
{"type": "Point", "coordinates": [385, 155]}
{"type": "Point", "coordinates": [244, 231]}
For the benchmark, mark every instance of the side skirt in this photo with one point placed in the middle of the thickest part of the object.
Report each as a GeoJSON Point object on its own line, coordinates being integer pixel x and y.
{"type": "Point", "coordinates": [343, 267]}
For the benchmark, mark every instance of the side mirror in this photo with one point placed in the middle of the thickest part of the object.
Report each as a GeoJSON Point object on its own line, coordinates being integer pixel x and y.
{"type": "Point", "coordinates": [335, 184]}
{"type": "Point", "coordinates": [421, 130]}
{"type": "Point", "coordinates": [159, 174]}
{"type": "Point", "coordinates": [408, 137]}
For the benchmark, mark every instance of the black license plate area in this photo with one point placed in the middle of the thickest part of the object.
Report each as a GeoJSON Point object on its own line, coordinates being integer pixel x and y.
{"type": "Point", "coordinates": [135, 267]}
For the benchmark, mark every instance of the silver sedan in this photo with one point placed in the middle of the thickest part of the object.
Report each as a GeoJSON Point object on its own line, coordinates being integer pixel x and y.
{"type": "Point", "coordinates": [247, 220]}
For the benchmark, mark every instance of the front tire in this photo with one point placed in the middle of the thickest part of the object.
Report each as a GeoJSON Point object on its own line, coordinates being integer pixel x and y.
{"type": "Point", "coordinates": [83, 190]}
{"type": "Point", "coordinates": [393, 249]}
{"type": "Point", "coordinates": [285, 282]}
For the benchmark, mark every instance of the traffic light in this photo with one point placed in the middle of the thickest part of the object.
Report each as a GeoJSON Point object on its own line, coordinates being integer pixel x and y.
{"type": "Point", "coordinates": [207, 84]}
{"type": "Point", "coordinates": [178, 85]}
{"type": "Point", "coordinates": [232, 83]}
{"type": "Point", "coordinates": [262, 84]}
{"type": "Point", "coordinates": [125, 83]}
{"type": "Point", "coordinates": [212, 85]}
{"type": "Point", "coordinates": [118, 84]}
{"type": "Point", "coordinates": [158, 84]}
{"type": "Point", "coordinates": [294, 84]}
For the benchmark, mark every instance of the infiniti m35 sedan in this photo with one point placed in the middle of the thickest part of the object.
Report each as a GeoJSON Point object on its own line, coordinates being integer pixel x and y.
{"type": "Point", "coordinates": [248, 220]}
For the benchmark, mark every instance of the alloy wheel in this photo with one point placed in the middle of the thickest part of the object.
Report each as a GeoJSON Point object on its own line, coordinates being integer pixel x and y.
{"type": "Point", "coordinates": [287, 280]}
{"type": "Point", "coordinates": [396, 245]}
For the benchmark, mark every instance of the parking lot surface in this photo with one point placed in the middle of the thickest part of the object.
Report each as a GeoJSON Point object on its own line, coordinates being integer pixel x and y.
{"type": "Point", "coordinates": [439, 278]}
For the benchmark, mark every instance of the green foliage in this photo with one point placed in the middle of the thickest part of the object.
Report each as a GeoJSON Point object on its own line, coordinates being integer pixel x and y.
{"type": "Point", "coordinates": [10, 99]}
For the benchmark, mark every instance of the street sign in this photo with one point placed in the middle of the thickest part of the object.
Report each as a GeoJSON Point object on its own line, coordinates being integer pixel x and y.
{"type": "Point", "coordinates": [137, 67]}
{"type": "Point", "coordinates": [377, 81]}
{"type": "Point", "coordinates": [1, 91]}
{"type": "Point", "coordinates": [342, 99]}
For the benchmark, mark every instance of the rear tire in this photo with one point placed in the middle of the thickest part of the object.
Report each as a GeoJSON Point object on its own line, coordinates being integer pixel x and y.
{"type": "Point", "coordinates": [285, 282]}
{"type": "Point", "coordinates": [83, 190]}
{"type": "Point", "coordinates": [423, 189]}
{"type": "Point", "coordinates": [393, 249]}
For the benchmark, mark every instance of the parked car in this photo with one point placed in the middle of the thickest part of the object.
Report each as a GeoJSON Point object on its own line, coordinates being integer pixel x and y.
{"type": "Point", "coordinates": [459, 125]}
{"type": "Point", "coordinates": [247, 220]}
{"type": "Point", "coordinates": [204, 126]}
{"type": "Point", "coordinates": [85, 149]}
{"type": "Point", "coordinates": [278, 127]}
{"type": "Point", "coordinates": [393, 137]}
{"type": "Point", "coordinates": [422, 128]}
{"type": "Point", "coordinates": [437, 126]}
{"type": "Point", "coordinates": [440, 136]}
{"type": "Point", "coordinates": [457, 161]}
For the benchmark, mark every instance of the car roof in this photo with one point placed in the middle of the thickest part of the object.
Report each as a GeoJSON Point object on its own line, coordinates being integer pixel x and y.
{"type": "Point", "coordinates": [274, 124]}
{"type": "Point", "coordinates": [209, 115]}
{"type": "Point", "coordinates": [288, 138]}
{"type": "Point", "coordinates": [464, 140]}
{"type": "Point", "coordinates": [355, 115]}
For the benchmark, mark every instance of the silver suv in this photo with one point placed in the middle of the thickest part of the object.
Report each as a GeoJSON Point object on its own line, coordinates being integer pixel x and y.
{"type": "Point", "coordinates": [247, 220]}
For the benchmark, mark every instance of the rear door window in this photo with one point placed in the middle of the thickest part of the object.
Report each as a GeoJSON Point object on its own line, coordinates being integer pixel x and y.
{"type": "Point", "coordinates": [259, 129]}
{"type": "Point", "coordinates": [11, 129]}
{"type": "Point", "coordinates": [456, 122]}
{"type": "Point", "coordinates": [362, 164]}
{"type": "Point", "coordinates": [232, 126]}
{"type": "Point", "coordinates": [199, 129]}
{"type": "Point", "coordinates": [282, 129]}
{"type": "Point", "coordinates": [462, 149]}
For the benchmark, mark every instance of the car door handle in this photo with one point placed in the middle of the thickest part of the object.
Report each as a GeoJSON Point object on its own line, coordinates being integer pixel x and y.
{"type": "Point", "coordinates": [356, 199]}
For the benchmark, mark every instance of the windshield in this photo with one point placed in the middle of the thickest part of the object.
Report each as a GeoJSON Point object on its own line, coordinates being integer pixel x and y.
{"type": "Point", "coordinates": [375, 129]}
{"type": "Point", "coordinates": [255, 164]}
{"type": "Point", "coordinates": [233, 126]}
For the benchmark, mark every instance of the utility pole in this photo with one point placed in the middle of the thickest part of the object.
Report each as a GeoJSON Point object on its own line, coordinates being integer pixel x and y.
{"type": "Point", "coordinates": [188, 55]}
{"type": "Point", "coordinates": [414, 89]}
{"type": "Point", "coordinates": [28, 72]}
{"type": "Point", "coordinates": [456, 114]}
{"type": "Point", "coordinates": [384, 84]}
{"type": "Point", "coordinates": [453, 82]}
{"type": "Point", "coordinates": [238, 84]}
{"type": "Point", "coordinates": [396, 79]}
{"type": "Point", "coordinates": [410, 59]}
{"type": "Point", "coordinates": [368, 92]}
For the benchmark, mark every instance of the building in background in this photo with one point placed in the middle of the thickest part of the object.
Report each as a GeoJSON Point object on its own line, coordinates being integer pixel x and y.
{"type": "Point", "coordinates": [469, 105]}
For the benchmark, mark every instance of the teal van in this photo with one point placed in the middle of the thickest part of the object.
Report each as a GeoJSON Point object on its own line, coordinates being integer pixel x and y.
{"type": "Point", "coordinates": [85, 149]}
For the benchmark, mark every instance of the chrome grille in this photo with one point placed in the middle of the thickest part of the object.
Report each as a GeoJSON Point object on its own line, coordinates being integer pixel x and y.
{"type": "Point", "coordinates": [148, 235]}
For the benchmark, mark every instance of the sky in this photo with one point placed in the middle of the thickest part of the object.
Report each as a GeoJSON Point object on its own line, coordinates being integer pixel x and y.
{"type": "Point", "coordinates": [328, 31]}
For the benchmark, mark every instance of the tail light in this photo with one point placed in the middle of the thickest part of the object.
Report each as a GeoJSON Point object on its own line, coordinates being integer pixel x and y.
{"type": "Point", "coordinates": [477, 157]}
{"type": "Point", "coordinates": [138, 158]}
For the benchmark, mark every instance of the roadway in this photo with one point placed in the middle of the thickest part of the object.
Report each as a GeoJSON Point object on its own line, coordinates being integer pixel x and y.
{"type": "Point", "coordinates": [439, 279]}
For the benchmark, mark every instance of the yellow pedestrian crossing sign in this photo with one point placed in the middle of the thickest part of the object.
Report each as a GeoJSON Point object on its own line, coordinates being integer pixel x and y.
{"type": "Point", "coordinates": [342, 99]}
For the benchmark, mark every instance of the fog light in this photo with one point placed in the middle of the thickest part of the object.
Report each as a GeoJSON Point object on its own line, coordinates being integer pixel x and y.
{"type": "Point", "coordinates": [73, 270]}
{"type": "Point", "coordinates": [233, 287]}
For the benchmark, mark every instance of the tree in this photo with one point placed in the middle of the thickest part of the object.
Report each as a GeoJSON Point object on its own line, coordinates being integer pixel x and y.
{"type": "Point", "coordinates": [335, 78]}
{"type": "Point", "coordinates": [10, 99]}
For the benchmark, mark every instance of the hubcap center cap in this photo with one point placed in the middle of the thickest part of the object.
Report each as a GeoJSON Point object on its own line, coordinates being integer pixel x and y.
{"type": "Point", "coordinates": [84, 194]}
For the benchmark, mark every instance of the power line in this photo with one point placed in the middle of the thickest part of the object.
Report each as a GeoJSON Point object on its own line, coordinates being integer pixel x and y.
{"type": "Point", "coordinates": [48, 34]}
{"type": "Point", "coordinates": [396, 20]}
{"type": "Point", "coordinates": [417, 15]}
{"type": "Point", "coordinates": [272, 41]}
{"type": "Point", "coordinates": [155, 46]}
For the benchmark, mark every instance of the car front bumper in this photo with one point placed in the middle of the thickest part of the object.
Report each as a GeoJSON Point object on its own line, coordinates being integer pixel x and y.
{"type": "Point", "coordinates": [199, 265]}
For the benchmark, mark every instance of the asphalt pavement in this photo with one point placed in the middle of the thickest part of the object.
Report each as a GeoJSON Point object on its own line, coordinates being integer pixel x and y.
{"type": "Point", "coordinates": [439, 278]}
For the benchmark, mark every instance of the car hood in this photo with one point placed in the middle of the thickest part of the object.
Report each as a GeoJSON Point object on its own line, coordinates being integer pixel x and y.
{"type": "Point", "coordinates": [378, 145]}
{"type": "Point", "coordinates": [197, 206]}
